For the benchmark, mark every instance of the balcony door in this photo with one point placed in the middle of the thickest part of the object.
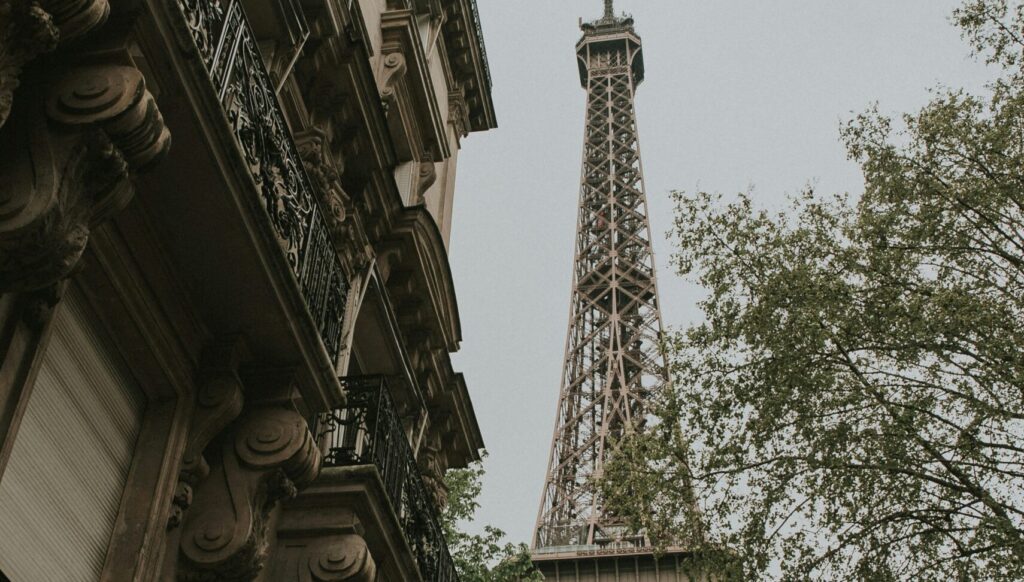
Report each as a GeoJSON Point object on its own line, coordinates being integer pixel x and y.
{"type": "Point", "coordinates": [61, 491]}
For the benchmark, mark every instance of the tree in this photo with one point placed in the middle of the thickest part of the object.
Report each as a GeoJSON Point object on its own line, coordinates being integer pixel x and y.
{"type": "Point", "coordinates": [481, 558]}
{"type": "Point", "coordinates": [853, 405]}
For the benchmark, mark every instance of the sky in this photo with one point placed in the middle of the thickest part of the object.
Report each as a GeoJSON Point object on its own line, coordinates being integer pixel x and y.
{"type": "Point", "coordinates": [739, 95]}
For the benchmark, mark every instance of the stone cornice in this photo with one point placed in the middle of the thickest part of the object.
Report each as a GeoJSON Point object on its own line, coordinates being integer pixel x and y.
{"type": "Point", "coordinates": [468, 59]}
{"type": "Point", "coordinates": [472, 438]}
{"type": "Point", "coordinates": [422, 251]}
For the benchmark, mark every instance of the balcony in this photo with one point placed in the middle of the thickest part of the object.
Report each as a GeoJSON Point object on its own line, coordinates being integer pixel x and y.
{"type": "Point", "coordinates": [369, 431]}
{"type": "Point", "coordinates": [224, 43]}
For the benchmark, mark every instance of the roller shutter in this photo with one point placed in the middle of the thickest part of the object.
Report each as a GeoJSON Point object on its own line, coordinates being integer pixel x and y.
{"type": "Point", "coordinates": [61, 491]}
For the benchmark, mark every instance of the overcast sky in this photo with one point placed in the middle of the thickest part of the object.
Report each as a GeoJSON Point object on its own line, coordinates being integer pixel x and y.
{"type": "Point", "coordinates": [738, 94]}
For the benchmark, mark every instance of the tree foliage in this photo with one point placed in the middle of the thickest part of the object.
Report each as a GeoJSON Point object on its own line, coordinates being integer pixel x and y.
{"type": "Point", "coordinates": [480, 557]}
{"type": "Point", "coordinates": [853, 405]}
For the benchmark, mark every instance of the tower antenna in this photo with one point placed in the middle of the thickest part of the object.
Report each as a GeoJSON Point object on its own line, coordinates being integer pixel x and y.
{"type": "Point", "coordinates": [609, 9]}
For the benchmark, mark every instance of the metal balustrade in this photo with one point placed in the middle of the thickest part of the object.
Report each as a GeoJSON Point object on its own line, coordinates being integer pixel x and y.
{"type": "Point", "coordinates": [227, 47]}
{"type": "Point", "coordinates": [369, 431]}
{"type": "Point", "coordinates": [480, 40]}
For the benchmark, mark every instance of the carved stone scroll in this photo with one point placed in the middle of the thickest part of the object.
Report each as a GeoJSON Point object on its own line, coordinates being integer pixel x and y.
{"type": "Point", "coordinates": [114, 99]}
{"type": "Point", "coordinates": [75, 18]}
{"type": "Point", "coordinates": [392, 72]}
{"type": "Point", "coordinates": [26, 31]}
{"type": "Point", "coordinates": [425, 178]}
{"type": "Point", "coordinates": [31, 28]}
{"type": "Point", "coordinates": [320, 539]}
{"type": "Point", "coordinates": [268, 455]}
{"type": "Point", "coordinates": [66, 167]}
{"type": "Point", "coordinates": [334, 558]}
{"type": "Point", "coordinates": [218, 403]}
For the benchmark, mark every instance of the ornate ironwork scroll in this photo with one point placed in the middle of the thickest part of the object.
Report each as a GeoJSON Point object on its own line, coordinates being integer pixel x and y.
{"type": "Point", "coordinates": [225, 44]}
{"type": "Point", "coordinates": [368, 431]}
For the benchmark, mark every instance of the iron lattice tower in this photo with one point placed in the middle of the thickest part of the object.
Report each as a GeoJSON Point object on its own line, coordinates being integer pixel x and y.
{"type": "Point", "coordinates": [613, 357]}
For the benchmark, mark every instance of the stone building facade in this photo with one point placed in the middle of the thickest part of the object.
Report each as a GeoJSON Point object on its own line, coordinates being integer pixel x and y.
{"type": "Point", "coordinates": [226, 306]}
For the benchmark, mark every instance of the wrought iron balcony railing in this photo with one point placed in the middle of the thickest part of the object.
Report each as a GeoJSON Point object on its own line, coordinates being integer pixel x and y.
{"type": "Point", "coordinates": [225, 44]}
{"type": "Point", "coordinates": [480, 39]}
{"type": "Point", "coordinates": [368, 431]}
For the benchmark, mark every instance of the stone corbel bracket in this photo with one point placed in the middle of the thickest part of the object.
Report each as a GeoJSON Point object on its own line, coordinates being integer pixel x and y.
{"type": "Point", "coordinates": [334, 558]}
{"type": "Point", "coordinates": [66, 166]}
{"type": "Point", "coordinates": [265, 458]}
{"type": "Point", "coordinates": [325, 170]}
{"type": "Point", "coordinates": [425, 178]}
{"type": "Point", "coordinates": [219, 401]}
{"type": "Point", "coordinates": [433, 465]}
{"type": "Point", "coordinates": [325, 167]}
{"type": "Point", "coordinates": [458, 112]}
{"type": "Point", "coordinates": [29, 29]}
{"type": "Point", "coordinates": [320, 537]}
{"type": "Point", "coordinates": [393, 69]}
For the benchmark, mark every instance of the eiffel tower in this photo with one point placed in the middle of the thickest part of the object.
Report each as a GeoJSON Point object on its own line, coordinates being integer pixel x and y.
{"type": "Point", "coordinates": [613, 358]}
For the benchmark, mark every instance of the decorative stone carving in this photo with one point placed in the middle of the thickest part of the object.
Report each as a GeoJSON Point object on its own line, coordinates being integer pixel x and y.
{"type": "Point", "coordinates": [425, 178]}
{"type": "Point", "coordinates": [67, 166]}
{"type": "Point", "coordinates": [75, 18]}
{"type": "Point", "coordinates": [325, 170]}
{"type": "Point", "coordinates": [341, 211]}
{"type": "Point", "coordinates": [433, 466]}
{"type": "Point", "coordinates": [267, 456]}
{"type": "Point", "coordinates": [335, 558]}
{"type": "Point", "coordinates": [39, 305]}
{"type": "Point", "coordinates": [320, 539]}
{"type": "Point", "coordinates": [218, 402]}
{"type": "Point", "coordinates": [30, 28]}
{"type": "Point", "coordinates": [27, 31]}
{"type": "Point", "coordinates": [358, 252]}
{"type": "Point", "coordinates": [392, 72]}
{"type": "Point", "coordinates": [115, 99]}
{"type": "Point", "coordinates": [458, 112]}
{"type": "Point", "coordinates": [180, 503]}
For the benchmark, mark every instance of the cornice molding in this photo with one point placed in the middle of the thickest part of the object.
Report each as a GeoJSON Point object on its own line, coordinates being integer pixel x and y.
{"type": "Point", "coordinates": [468, 59]}
{"type": "Point", "coordinates": [423, 252]}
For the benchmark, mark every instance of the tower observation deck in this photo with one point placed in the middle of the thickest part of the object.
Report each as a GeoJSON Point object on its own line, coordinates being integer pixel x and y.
{"type": "Point", "coordinates": [613, 357]}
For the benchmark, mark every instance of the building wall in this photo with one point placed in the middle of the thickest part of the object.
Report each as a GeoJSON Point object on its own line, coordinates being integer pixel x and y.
{"type": "Point", "coordinates": [210, 190]}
